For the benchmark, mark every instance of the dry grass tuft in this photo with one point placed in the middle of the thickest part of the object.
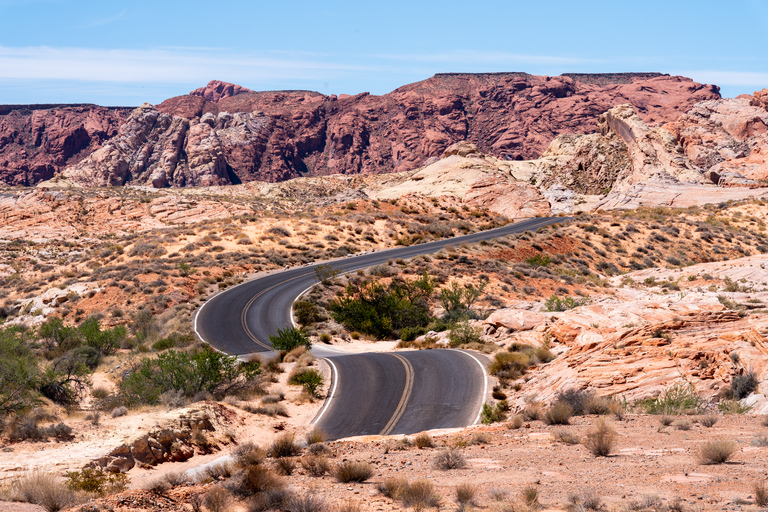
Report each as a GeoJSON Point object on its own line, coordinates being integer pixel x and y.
{"type": "Point", "coordinates": [600, 440]}
{"type": "Point", "coordinates": [353, 472]}
{"type": "Point", "coordinates": [708, 421]}
{"type": "Point", "coordinates": [761, 494]}
{"type": "Point", "coordinates": [284, 446]}
{"type": "Point", "coordinates": [717, 452]}
{"type": "Point", "coordinates": [217, 499]}
{"type": "Point", "coordinates": [315, 465]}
{"type": "Point", "coordinates": [315, 436]}
{"type": "Point", "coordinates": [558, 414]}
{"type": "Point", "coordinates": [423, 440]}
{"type": "Point", "coordinates": [565, 436]}
{"type": "Point", "coordinates": [450, 459]}
{"type": "Point", "coordinates": [586, 500]}
{"type": "Point", "coordinates": [465, 495]}
{"type": "Point", "coordinates": [44, 489]}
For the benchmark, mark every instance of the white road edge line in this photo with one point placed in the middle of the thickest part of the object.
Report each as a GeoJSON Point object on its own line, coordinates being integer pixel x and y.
{"type": "Point", "coordinates": [330, 396]}
{"type": "Point", "coordinates": [485, 385]}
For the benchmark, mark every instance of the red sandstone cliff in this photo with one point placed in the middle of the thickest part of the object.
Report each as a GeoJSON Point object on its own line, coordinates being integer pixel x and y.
{"type": "Point", "coordinates": [224, 133]}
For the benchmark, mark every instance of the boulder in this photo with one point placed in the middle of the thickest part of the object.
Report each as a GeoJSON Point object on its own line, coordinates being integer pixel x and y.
{"type": "Point", "coordinates": [515, 319]}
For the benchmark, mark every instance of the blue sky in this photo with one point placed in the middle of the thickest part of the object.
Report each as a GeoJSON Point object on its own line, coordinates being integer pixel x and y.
{"type": "Point", "coordinates": [125, 53]}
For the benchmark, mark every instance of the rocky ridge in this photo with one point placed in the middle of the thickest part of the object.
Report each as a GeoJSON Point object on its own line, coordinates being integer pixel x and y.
{"type": "Point", "coordinates": [225, 133]}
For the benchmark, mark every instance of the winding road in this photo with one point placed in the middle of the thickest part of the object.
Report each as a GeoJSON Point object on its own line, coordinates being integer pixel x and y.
{"type": "Point", "coordinates": [371, 393]}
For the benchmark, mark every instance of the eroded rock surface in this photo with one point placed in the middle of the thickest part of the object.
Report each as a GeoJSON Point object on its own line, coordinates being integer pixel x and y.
{"type": "Point", "coordinates": [277, 135]}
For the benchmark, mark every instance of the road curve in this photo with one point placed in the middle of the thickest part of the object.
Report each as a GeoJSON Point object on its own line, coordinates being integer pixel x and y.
{"type": "Point", "coordinates": [372, 393]}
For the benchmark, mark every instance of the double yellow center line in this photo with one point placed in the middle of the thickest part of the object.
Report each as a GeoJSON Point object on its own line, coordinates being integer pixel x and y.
{"type": "Point", "coordinates": [403, 399]}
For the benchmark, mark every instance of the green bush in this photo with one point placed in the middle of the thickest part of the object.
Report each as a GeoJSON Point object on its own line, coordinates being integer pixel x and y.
{"type": "Point", "coordinates": [457, 300]}
{"type": "Point", "coordinates": [493, 413]}
{"type": "Point", "coordinates": [679, 398]}
{"type": "Point", "coordinates": [509, 365]}
{"type": "Point", "coordinates": [309, 378]}
{"type": "Point", "coordinates": [288, 339]}
{"type": "Point", "coordinates": [306, 312]}
{"type": "Point", "coordinates": [97, 481]}
{"type": "Point", "coordinates": [188, 372]}
{"type": "Point", "coordinates": [743, 385]}
{"type": "Point", "coordinates": [19, 372]}
{"type": "Point", "coordinates": [163, 344]}
{"type": "Point", "coordinates": [382, 311]}
{"type": "Point", "coordinates": [539, 260]}
{"type": "Point", "coordinates": [555, 303]}
{"type": "Point", "coordinates": [464, 334]}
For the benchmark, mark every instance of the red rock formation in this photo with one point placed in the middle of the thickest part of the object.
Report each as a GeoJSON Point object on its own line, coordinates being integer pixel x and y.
{"type": "Point", "coordinates": [286, 134]}
{"type": "Point", "coordinates": [217, 90]}
{"type": "Point", "coordinates": [36, 141]}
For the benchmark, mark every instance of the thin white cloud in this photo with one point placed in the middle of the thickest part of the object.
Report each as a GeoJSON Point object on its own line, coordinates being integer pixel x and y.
{"type": "Point", "coordinates": [737, 78]}
{"type": "Point", "coordinates": [104, 21]}
{"type": "Point", "coordinates": [157, 65]}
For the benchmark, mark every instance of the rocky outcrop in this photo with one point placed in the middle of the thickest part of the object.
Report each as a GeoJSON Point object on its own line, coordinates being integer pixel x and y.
{"type": "Point", "coordinates": [217, 90]}
{"type": "Point", "coordinates": [273, 136]}
{"type": "Point", "coordinates": [728, 138]}
{"type": "Point", "coordinates": [199, 429]}
{"type": "Point", "coordinates": [37, 141]}
{"type": "Point", "coordinates": [478, 180]}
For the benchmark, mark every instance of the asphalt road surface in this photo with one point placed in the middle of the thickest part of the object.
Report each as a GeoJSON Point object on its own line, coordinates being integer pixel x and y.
{"type": "Point", "coordinates": [371, 393]}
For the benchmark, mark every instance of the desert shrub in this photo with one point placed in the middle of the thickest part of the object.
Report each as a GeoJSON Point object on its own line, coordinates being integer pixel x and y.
{"type": "Point", "coordinates": [761, 493]}
{"type": "Point", "coordinates": [423, 440]}
{"type": "Point", "coordinates": [717, 452]}
{"type": "Point", "coordinates": [493, 413]}
{"type": "Point", "coordinates": [315, 436]}
{"type": "Point", "coordinates": [465, 494]}
{"type": "Point", "coordinates": [577, 399]}
{"type": "Point", "coordinates": [289, 339]}
{"type": "Point", "coordinates": [533, 411]}
{"type": "Point", "coordinates": [306, 503]}
{"type": "Point", "coordinates": [256, 479]}
{"type": "Point", "coordinates": [463, 334]}
{"type": "Point", "coordinates": [600, 440]}
{"type": "Point", "coordinates": [480, 438]}
{"type": "Point", "coordinates": [558, 414]}
{"type": "Point", "coordinates": [19, 372]}
{"type": "Point", "coordinates": [203, 370]}
{"type": "Point", "coordinates": [743, 385]}
{"type": "Point", "coordinates": [163, 344]}
{"type": "Point", "coordinates": [450, 458]}
{"type": "Point", "coordinates": [419, 494]}
{"type": "Point", "coordinates": [382, 311]}
{"type": "Point", "coordinates": [217, 499]}
{"type": "Point", "coordinates": [248, 454]}
{"type": "Point", "coordinates": [680, 398]}
{"type": "Point", "coordinates": [509, 365]}
{"type": "Point", "coordinates": [732, 406]}
{"type": "Point", "coordinates": [683, 424]}
{"type": "Point", "coordinates": [353, 472]}
{"type": "Point", "coordinates": [97, 481]}
{"type": "Point", "coordinates": [279, 231]}
{"type": "Point", "coordinates": [286, 465]}
{"type": "Point", "coordinates": [325, 273]}
{"type": "Point", "coordinates": [586, 500]}
{"type": "Point", "coordinates": [709, 420]}
{"type": "Point", "coordinates": [555, 303]}
{"type": "Point", "coordinates": [457, 299]}
{"type": "Point", "coordinates": [315, 465]}
{"type": "Point", "coordinates": [515, 422]}
{"type": "Point", "coordinates": [600, 405]}
{"type": "Point", "coordinates": [309, 378]}
{"type": "Point", "coordinates": [666, 420]}
{"type": "Point", "coordinates": [43, 489]}
{"type": "Point", "coordinates": [284, 446]}
{"type": "Point", "coordinates": [565, 436]}
{"type": "Point", "coordinates": [306, 312]}
{"type": "Point", "coordinates": [530, 497]}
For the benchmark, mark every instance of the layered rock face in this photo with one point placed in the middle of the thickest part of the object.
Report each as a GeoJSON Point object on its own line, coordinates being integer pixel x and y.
{"type": "Point", "coordinates": [37, 141]}
{"type": "Point", "coordinates": [224, 133]}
